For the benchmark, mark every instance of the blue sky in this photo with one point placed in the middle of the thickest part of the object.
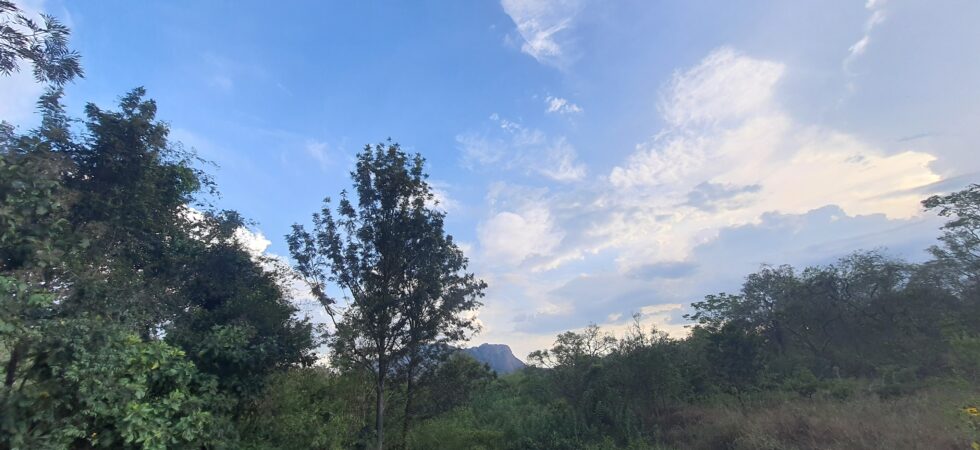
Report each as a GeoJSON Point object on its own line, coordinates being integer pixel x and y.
{"type": "Point", "coordinates": [596, 159]}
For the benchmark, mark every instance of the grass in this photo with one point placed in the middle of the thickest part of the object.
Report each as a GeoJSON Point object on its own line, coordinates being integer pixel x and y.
{"type": "Point", "coordinates": [931, 418]}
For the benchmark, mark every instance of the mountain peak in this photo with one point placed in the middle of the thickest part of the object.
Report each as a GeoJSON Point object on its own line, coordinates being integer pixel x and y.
{"type": "Point", "coordinates": [498, 356]}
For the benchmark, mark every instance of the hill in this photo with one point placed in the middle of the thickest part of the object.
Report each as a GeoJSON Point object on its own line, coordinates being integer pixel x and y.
{"type": "Point", "coordinates": [498, 356]}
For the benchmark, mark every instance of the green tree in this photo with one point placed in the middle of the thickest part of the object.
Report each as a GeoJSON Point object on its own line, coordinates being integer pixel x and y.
{"type": "Point", "coordinates": [389, 253]}
{"type": "Point", "coordinates": [240, 324]}
{"type": "Point", "coordinates": [98, 234]}
{"type": "Point", "coordinates": [156, 264]}
{"type": "Point", "coordinates": [959, 251]}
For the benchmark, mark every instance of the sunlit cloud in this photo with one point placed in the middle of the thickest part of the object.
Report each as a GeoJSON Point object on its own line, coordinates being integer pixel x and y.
{"type": "Point", "coordinates": [730, 156]}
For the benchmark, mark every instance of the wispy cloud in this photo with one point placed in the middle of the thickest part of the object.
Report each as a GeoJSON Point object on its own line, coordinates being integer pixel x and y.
{"type": "Point", "coordinates": [561, 106]}
{"type": "Point", "coordinates": [876, 8]}
{"type": "Point", "coordinates": [512, 146]}
{"type": "Point", "coordinates": [542, 25]}
{"type": "Point", "coordinates": [319, 151]}
{"type": "Point", "coordinates": [477, 151]}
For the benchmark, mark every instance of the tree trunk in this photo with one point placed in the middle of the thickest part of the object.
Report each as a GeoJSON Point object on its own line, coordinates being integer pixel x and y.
{"type": "Point", "coordinates": [379, 417]}
{"type": "Point", "coordinates": [409, 397]}
{"type": "Point", "coordinates": [12, 363]}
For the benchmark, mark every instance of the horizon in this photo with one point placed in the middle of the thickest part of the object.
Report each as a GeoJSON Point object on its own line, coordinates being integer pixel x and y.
{"type": "Point", "coordinates": [588, 175]}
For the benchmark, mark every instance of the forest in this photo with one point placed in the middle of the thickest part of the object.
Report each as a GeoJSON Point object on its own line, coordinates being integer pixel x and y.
{"type": "Point", "coordinates": [133, 317]}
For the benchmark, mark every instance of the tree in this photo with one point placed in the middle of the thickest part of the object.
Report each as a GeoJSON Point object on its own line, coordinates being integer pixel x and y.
{"type": "Point", "coordinates": [43, 45]}
{"type": "Point", "coordinates": [402, 276]}
{"type": "Point", "coordinates": [239, 324]}
{"type": "Point", "coordinates": [102, 254]}
{"type": "Point", "coordinates": [960, 249]}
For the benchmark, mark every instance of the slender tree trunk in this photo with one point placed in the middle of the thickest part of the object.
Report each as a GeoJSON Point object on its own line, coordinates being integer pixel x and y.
{"type": "Point", "coordinates": [409, 397]}
{"type": "Point", "coordinates": [379, 417]}
{"type": "Point", "coordinates": [12, 363]}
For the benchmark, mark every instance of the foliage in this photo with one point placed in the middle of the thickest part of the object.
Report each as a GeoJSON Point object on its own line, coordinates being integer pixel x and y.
{"type": "Point", "coordinates": [304, 408]}
{"type": "Point", "coordinates": [452, 384]}
{"type": "Point", "coordinates": [43, 45]}
{"type": "Point", "coordinates": [94, 384]}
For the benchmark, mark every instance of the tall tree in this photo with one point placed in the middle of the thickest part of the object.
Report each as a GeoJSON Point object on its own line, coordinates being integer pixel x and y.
{"type": "Point", "coordinates": [403, 278]}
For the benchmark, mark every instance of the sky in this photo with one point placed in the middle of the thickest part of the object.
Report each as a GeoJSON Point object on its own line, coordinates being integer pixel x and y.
{"type": "Point", "coordinates": [595, 159]}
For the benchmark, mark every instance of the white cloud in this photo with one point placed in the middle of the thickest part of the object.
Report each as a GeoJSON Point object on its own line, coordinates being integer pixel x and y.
{"type": "Point", "coordinates": [876, 8]}
{"type": "Point", "coordinates": [728, 127]}
{"type": "Point", "coordinates": [254, 242]}
{"type": "Point", "coordinates": [724, 86]}
{"type": "Point", "coordinates": [517, 147]}
{"type": "Point", "coordinates": [561, 106]}
{"type": "Point", "coordinates": [511, 237]}
{"type": "Point", "coordinates": [731, 167]}
{"type": "Point", "coordinates": [541, 23]}
{"type": "Point", "coordinates": [660, 309]}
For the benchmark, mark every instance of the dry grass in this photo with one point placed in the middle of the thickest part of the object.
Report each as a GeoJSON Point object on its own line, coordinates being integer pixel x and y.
{"type": "Point", "coordinates": [931, 419]}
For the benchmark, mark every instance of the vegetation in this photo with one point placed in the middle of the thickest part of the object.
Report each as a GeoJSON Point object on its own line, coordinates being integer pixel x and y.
{"type": "Point", "coordinates": [43, 45]}
{"type": "Point", "coordinates": [131, 316]}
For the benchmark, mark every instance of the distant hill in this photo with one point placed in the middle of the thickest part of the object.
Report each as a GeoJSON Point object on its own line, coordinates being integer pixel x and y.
{"type": "Point", "coordinates": [497, 356]}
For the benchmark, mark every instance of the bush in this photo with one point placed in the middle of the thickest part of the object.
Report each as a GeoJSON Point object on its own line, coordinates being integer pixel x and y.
{"type": "Point", "coordinates": [302, 408]}
{"type": "Point", "coordinates": [456, 430]}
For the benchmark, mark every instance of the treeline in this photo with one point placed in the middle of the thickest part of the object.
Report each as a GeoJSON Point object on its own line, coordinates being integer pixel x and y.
{"type": "Point", "coordinates": [868, 352]}
{"type": "Point", "coordinates": [131, 316]}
